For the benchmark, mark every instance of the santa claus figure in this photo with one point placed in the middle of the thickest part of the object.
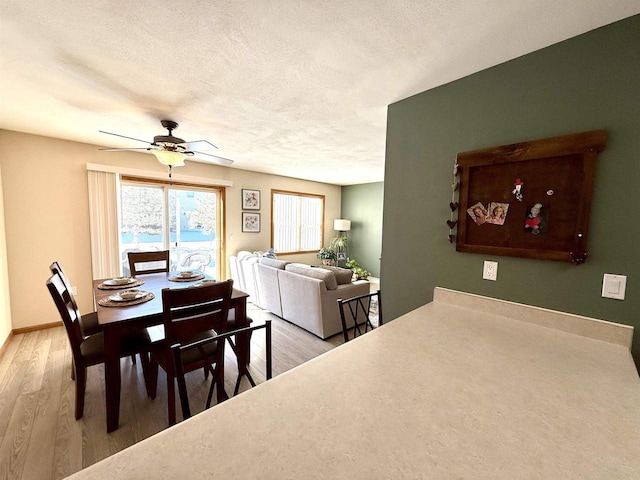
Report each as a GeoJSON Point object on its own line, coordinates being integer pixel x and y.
{"type": "Point", "coordinates": [517, 189]}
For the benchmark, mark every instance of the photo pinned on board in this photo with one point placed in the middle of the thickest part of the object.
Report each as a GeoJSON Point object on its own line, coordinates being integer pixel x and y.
{"type": "Point", "coordinates": [498, 213]}
{"type": "Point", "coordinates": [537, 219]}
{"type": "Point", "coordinates": [478, 213]}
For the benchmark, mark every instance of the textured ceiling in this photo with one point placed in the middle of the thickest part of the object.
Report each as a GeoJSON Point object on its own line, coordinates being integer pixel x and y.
{"type": "Point", "coordinates": [294, 88]}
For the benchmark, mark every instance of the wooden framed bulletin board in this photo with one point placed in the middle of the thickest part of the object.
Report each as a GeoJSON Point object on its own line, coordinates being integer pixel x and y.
{"type": "Point", "coordinates": [530, 199]}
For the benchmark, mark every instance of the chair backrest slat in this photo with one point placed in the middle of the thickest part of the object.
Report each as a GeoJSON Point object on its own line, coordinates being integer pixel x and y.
{"type": "Point", "coordinates": [56, 268]}
{"type": "Point", "coordinates": [193, 310]}
{"type": "Point", "coordinates": [68, 310]}
{"type": "Point", "coordinates": [137, 260]}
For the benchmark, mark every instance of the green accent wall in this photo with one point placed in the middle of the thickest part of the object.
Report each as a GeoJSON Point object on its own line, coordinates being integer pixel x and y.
{"type": "Point", "coordinates": [586, 83]}
{"type": "Point", "coordinates": [362, 204]}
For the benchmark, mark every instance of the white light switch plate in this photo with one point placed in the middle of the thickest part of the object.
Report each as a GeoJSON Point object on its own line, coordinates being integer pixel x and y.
{"type": "Point", "coordinates": [614, 286]}
{"type": "Point", "coordinates": [490, 271]}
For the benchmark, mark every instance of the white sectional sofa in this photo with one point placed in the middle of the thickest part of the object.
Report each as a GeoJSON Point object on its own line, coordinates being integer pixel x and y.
{"type": "Point", "coordinates": [241, 269]}
{"type": "Point", "coordinates": [304, 295]}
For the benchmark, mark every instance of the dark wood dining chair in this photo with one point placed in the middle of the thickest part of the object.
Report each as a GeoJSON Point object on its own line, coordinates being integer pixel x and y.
{"type": "Point", "coordinates": [89, 321]}
{"type": "Point", "coordinates": [356, 312]}
{"type": "Point", "coordinates": [141, 263]}
{"type": "Point", "coordinates": [88, 350]}
{"type": "Point", "coordinates": [191, 314]}
{"type": "Point", "coordinates": [180, 351]}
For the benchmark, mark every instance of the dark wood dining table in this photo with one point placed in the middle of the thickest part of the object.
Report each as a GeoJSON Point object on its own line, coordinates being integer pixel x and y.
{"type": "Point", "coordinates": [120, 321]}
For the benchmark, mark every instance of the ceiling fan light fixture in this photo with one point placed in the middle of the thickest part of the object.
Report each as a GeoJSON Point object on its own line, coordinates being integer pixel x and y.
{"type": "Point", "coordinates": [169, 158]}
{"type": "Point", "coordinates": [172, 151]}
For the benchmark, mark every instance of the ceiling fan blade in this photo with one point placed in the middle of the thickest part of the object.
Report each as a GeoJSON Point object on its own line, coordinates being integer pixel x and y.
{"type": "Point", "coordinates": [121, 149]}
{"type": "Point", "coordinates": [124, 136]}
{"type": "Point", "coordinates": [213, 158]}
{"type": "Point", "coordinates": [199, 145]}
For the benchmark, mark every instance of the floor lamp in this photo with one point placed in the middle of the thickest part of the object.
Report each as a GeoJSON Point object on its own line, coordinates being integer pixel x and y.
{"type": "Point", "coordinates": [342, 225]}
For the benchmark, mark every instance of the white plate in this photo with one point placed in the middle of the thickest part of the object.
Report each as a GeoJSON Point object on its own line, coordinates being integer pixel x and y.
{"type": "Point", "coordinates": [190, 276]}
{"type": "Point", "coordinates": [114, 282]}
{"type": "Point", "coordinates": [118, 298]}
{"type": "Point", "coordinates": [205, 283]}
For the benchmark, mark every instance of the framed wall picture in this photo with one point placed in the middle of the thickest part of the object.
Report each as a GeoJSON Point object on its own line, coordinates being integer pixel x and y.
{"type": "Point", "coordinates": [250, 199]}
{"type": "Point", "coordinates": [250, 222]}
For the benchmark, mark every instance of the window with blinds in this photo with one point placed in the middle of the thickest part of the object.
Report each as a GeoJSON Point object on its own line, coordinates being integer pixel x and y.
{"type": "Point", "coordinates": [297, 221]}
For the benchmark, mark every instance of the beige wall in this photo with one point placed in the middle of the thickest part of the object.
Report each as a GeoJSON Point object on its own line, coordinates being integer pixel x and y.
{"type": "Point", "coordinates": [46, 214]}
{"type": "Point", "coordinates": [5, 303]}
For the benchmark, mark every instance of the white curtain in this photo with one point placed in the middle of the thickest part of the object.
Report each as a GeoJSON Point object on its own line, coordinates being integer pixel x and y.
{"type": "Point", "coordinates": [103, 216]}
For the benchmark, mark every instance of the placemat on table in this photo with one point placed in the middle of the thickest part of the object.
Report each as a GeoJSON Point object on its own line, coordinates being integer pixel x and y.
{"type": "Point", "coordinates": [137, 283]}
{"type": "Point", "coordinates": [105, 302]}
{"type": "Point", "coordinates": [178, 278]}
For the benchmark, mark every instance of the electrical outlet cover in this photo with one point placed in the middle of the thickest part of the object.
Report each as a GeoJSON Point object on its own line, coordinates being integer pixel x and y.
{"type": "Point", "coordinates": [490, 271]}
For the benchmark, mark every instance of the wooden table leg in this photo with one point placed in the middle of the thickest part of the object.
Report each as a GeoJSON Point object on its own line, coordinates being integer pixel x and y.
{"type": "Point", "coordinates": [243, 339]}
{"type": "Point", "coordinates": [221, 392]}
{"type": "Point", "coordinates": [112, 377]}
{"type": "Point", "coordinates": [243, 344]}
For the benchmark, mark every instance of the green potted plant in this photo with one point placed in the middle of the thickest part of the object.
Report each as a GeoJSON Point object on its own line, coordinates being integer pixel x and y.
{"type": "Point", "coordinates": [338, 243]}
{"type": "Point", "coordinates": [327, 256]}
{"type": "Point", "coordinates": [358, 270]}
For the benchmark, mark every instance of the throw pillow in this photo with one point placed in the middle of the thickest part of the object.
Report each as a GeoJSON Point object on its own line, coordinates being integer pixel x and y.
{"type": "Point", "coordinates": [328, 277]}
{"type": "Point", "coordinates": [271, 253]}
{"type": "Point", "coordinates": [343, 275]}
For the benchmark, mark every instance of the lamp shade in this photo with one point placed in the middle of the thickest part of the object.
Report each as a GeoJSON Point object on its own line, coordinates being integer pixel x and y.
{"type": "Point", "coordinates": [167, 157]}
{"type": "Point", "coordinates": [342, 225]}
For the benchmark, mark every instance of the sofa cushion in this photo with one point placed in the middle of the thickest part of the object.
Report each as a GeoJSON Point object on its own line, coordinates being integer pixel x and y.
{"type": "Point", "coordinates": [327, 276]}
{"type": "Point", "coordinates": [343, 275]}
{"type": "Point", "coordinates": [274, 263]}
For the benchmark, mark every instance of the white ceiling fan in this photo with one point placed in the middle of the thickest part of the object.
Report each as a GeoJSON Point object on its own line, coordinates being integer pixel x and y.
{"type": "Point", "coordinates": [172, 151]}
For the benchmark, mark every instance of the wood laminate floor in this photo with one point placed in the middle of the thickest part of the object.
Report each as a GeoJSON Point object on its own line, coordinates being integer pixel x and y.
{"type": "Point", "coordinates": [39, 436]}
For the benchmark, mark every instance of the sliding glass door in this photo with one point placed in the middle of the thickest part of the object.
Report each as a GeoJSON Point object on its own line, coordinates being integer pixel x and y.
{"type": "Point", "coordinates": [193, 224]}
{"type": "Point", "coordinates": [185, 220]}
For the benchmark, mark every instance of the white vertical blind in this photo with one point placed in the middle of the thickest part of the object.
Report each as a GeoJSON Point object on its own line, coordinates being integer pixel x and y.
{"type": "Point", "coordinates": [310, 222]}
{"type": "Point", "coordinates": [297, 222]}
{"type": "Point", "coordinates": [103, 221]}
